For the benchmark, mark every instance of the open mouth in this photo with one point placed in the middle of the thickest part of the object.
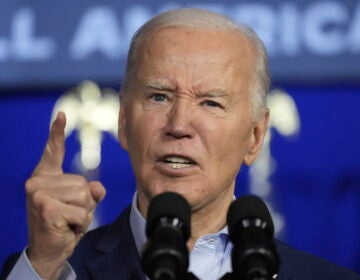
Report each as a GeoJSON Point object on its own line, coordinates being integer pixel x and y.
{"type": "Point", "coordinates": [178, 162]}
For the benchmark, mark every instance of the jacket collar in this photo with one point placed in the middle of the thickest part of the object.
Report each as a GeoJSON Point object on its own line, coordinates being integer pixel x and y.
{"type": "Point", "coordinates": [119, 258]}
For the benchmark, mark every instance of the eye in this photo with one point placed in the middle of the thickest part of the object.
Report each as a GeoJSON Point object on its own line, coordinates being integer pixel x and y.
{"type": "Point", "coordinates": [211, 103]}
{"type": "Point", "coordinates": [158, 97]}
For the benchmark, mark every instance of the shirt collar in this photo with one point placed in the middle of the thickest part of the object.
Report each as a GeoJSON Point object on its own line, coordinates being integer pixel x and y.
{"type": "Point", "coordinates": [138, 224]}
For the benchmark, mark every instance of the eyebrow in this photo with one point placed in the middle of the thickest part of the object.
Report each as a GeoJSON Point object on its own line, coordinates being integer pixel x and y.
{"type": "Point", "coordinates": [218, 92]}
{"type": "Point", "coordinates": [158, 85]}
{"type": "Point", "coordinates": [165, 86]}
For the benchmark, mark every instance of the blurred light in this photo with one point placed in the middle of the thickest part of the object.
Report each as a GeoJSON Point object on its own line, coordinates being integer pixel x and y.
{"type": "Point", "coordinates": [284, 117]}
{"type": "Point", "coordinates": [283, 113]}
{"type": "Point", "coordinates": [90, 112]}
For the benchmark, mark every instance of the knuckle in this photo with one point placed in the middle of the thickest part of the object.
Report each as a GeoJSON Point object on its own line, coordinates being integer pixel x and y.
{"type": "Point", "coordinates": [82, 195]}
{"type": "Point", "coordinates": [83, 215]}
{"type": "Point", "coordinates": [31, 185]}
{"type": "Point", "coordinates": [48, 212]}
{"type": "Point", "coordinates": [81, 189]}
{"type": "Point", "coordinates": [82, 218]}
{"type": "Point", "coordinates": [79, 181]}
{"type": "Point", "coordinates": [45, 208]}
{"type": "Point", "coordinates": [37, 198]}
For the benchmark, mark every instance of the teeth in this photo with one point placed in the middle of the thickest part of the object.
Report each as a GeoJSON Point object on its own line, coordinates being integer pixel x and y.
{"type": "Point", "coordinates": [179, 165]}
{"type": "Point", "coordinates": [178, 162]}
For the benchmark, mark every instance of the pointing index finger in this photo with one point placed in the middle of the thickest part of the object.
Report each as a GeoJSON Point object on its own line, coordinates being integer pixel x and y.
{"type": "Point", "coordinates": [53, 155]}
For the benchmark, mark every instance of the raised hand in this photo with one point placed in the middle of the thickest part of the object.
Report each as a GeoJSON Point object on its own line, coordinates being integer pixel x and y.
{"type": "Point", "coordinates": [60, 206]}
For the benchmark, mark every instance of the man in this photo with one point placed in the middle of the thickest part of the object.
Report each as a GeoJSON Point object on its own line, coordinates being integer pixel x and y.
{"type": "Point", "coordinates": [192, 112]}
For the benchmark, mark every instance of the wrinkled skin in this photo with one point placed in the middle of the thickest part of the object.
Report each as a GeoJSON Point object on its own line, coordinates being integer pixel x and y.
{"type": "Point", "coordinates": [60, 207]}
{"type": "Point", "coordinates": [186, 120]}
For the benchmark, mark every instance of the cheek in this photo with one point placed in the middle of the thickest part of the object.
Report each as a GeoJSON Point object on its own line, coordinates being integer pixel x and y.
{"type": "Point", "coordinates": [228, 143]}
{"type": "Point", "coordinates": [143, 131]}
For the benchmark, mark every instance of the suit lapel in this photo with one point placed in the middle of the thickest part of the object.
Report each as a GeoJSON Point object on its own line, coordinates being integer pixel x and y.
{"type": "Point", "coordinates": [116, 266]}
{"type": "Point", "coordinates": [284, 262]}
{"type": "Point", "coordinates": [120, 258]}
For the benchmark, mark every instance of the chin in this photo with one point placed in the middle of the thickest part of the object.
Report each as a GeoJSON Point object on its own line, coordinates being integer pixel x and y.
{"type": "Point", "coordinates": [172, 188]}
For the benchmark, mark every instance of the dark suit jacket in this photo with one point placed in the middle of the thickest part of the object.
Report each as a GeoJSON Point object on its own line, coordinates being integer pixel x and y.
{"type": "Point", "coordinates": [109, 252]}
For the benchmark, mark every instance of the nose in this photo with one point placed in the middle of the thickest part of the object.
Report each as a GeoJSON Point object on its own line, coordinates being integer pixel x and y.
{"type": "Point", "coordinates": [179, 120]}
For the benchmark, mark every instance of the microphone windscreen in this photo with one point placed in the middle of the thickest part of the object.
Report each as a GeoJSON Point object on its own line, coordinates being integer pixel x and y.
{"type": "Point", "coordinates": [168, 205]}
{"type": "Point", "coordinates": [249, 207]}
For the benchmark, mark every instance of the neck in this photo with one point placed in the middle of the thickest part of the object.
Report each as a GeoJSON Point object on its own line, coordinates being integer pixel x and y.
{"type": "Point", "coordinates": [204, 220]}
{"type": "Point", "coordinates": [208, 220]}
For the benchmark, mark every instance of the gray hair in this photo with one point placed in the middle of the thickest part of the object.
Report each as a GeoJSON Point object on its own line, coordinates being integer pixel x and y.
{"type": "Point", "coordinates": [193, 18]}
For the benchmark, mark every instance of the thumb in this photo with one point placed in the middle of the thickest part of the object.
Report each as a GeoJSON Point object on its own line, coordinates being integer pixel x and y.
{"type": "Point", "coordinates": [97, 191]}
{"type": "Point", "coordinates": [53, 155]}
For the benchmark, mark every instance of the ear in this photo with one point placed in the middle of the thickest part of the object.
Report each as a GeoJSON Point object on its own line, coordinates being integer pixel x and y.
{"type": "Point", "coordinates": [122, 123]}
{"type": "Point", "coordinates": [257, 138]}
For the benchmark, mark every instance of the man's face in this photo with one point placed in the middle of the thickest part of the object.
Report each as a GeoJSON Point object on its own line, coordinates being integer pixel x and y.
{"type": "Point", "coordinates": [187, 121]}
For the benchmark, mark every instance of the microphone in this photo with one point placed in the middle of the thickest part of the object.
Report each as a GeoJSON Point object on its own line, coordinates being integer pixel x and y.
{"type": "Point", "coordinates": [251, 230]}
{"type": "Point", "coordinates": [165, 256]}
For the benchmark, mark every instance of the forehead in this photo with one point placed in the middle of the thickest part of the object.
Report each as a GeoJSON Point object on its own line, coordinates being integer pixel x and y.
{"type": "Point", "coordinates": [200, 57]}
